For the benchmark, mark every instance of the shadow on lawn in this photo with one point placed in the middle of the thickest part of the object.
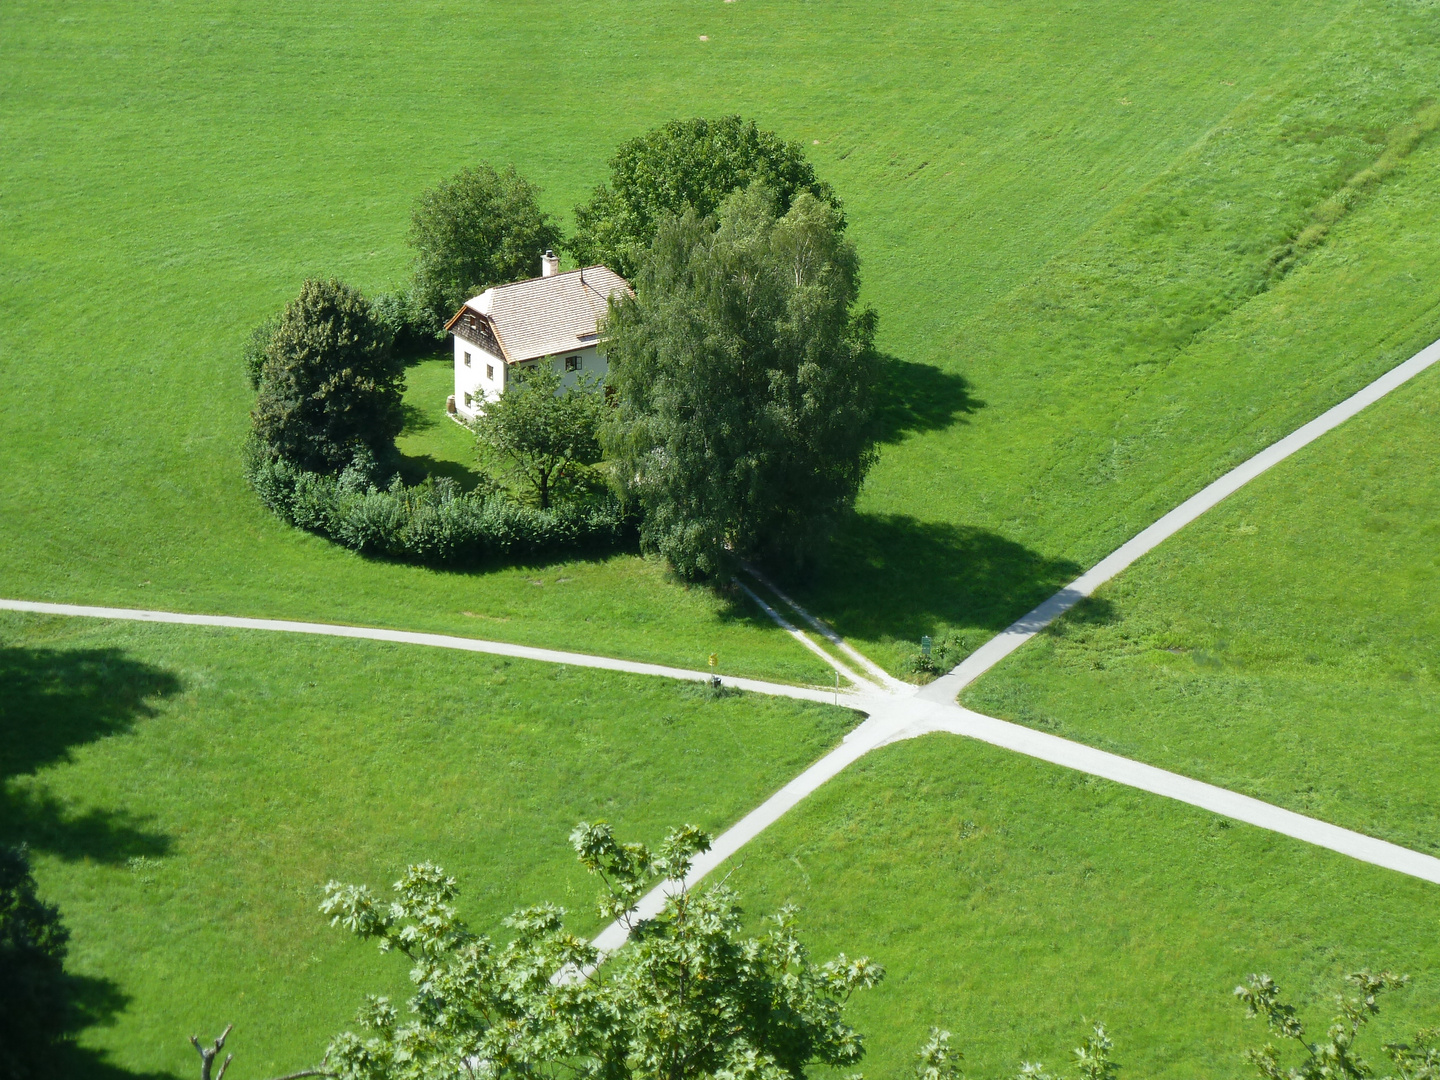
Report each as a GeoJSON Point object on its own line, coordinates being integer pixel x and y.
{"type": "Point", "coordinates": [414, 468]}
{"type": "Point", "coordinates": [892, 576]}
{"type": "Point", "coordinates": [918, 397]}
{"type": "Point", "coordinates": [54, 700]}
{"type": "Point", "coordinates": [94, 1003]}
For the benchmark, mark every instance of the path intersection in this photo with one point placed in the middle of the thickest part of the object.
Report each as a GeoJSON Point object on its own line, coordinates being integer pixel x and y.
{"type": "Point", "coordinates": [894, 710]}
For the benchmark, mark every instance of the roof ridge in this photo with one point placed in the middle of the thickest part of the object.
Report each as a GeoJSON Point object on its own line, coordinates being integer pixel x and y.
{"type": "Point", "coordinates": [552, 277]}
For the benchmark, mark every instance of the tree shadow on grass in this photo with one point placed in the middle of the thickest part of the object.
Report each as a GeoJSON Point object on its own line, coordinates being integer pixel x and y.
{"type": "Point", "coordinates": [915, 397]}
{"type": "Point", "coordinates": [414, 468]}
{"type": "Point", "coordinates": [893, 576]}
{"type": "Point", "coordinates": [94, 1003]}
{"type": "Point", "coordinates": [417, 419]}
{"type": "Point", "coordinates": [53, 701]}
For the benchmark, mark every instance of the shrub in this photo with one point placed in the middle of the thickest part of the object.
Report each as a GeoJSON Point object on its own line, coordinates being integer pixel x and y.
{"type": "Point", "coordinates": [329, 382]}
{"type": "Point", "coordinates": [946, 651]}
{"type": "Point", "coordinates": [434, 522]}
{"type": "Point", "coordinates": [412, 328]}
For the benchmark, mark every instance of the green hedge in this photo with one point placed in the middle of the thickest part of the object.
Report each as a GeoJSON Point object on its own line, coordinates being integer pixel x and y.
{"type": "Point", "coordinates": [435, 522]}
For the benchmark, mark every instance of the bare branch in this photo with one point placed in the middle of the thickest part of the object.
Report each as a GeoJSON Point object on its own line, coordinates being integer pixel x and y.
{"type": "Point", "coordinates": [207, 1057]}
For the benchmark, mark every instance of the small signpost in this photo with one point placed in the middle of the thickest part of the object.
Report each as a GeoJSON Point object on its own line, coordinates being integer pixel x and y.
{"type": "Point", "coordinates": [714, 675]}
{"type": "Point", "coordinates": [925, 646]}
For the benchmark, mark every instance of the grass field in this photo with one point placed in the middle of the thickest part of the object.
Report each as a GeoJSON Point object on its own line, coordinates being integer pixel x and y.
{"type": "Point", "coordinates": [1014, 902]}
{"type": "Point", "coordinates": [188, 792]}
{"type": "Point", "coordinates": [228, 152]}
{"type": "Point", "coordinates": [1284, 645]}
{"type": "Point", "coordinates": [1116, 248]}
{"type": "Point", "coordinates": [1274, 267]}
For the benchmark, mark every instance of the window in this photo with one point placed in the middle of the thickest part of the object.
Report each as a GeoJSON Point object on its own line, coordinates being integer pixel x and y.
{"type": "Point", "coordinates": [572, 363]}
{"type": "Point", "coordinates": [468, 400]}
{"type": "Point", "coordinates": [467, 359]}
{"type": "Point", "coordinates": [490, 372]}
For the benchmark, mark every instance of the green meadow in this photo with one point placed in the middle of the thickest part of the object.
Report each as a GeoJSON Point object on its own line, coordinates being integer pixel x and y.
{"type": "Point", "coordinates": [1016, 903]}
{"type": "Point", "coordinates": [1275, 266]}
{"type": "Point", "coordinates": [1017, 178]}
{"type": "Point", "coordinates": [1286, 645]}
{"type": "Point", "coordinates": [187, 793]}
{"type": "Point", "coordinates": [1116, 248]}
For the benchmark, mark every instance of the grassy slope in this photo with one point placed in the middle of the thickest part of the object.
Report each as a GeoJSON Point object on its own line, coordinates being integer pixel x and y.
{"type": "Point", "coordinates": [1279, 264]}
{"type": "Point", "coordinates": [1013, 900]}
{"type": "Point", "coordinates": [187, 793]}
{"type": "Point", "coordinates": [150, 216]}
{"type": "Point", "coordinates": [1285, 645]}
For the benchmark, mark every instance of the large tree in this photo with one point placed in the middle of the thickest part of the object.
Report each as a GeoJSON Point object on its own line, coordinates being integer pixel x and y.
{"type": "Point", "coordinates": [329, 382]}
{"type": "Point", "coordinates": [35, 1009]}
{"type": "Point", "coordinates": [685, 165]}
{"type": "Point", "coordinates": [745, 375]}
{"type": "Point", "coordinates": [481, 227]}
{"type": "Point", "coordinates": [542, 433]}
{"type": "Point", "coordinates": [690, 997]}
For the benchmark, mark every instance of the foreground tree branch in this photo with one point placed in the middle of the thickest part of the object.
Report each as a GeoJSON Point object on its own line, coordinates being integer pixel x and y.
{"type": "Point", "coordinates": [208, 1055]}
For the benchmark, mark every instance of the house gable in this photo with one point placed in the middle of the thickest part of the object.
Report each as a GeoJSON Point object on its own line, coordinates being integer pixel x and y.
{"type": "Point", "coordinates": [475, 328]}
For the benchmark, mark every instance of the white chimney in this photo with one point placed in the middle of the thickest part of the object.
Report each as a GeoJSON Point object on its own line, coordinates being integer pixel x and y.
{"type": "Point", "coordinates": [549, 264]}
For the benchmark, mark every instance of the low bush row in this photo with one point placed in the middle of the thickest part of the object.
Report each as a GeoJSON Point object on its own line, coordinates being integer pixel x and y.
{"type": "Point", "coordinates": [435, 522]}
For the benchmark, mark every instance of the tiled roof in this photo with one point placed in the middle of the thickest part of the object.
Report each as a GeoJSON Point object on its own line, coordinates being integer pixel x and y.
{"type": "Point", "coordinates": [547, 315]}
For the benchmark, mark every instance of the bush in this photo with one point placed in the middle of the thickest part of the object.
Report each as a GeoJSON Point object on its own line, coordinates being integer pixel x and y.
{"type": "Point", "coordinates": [434, 522]}
{"type": "Point", "coordinates": [413, 330]}
{"type": "Point", "coordinates": [946, 651]}
{"type": "Point", "coordinates": [329, 383]}
{"type": "Point", "coordinates": [35, 1004]}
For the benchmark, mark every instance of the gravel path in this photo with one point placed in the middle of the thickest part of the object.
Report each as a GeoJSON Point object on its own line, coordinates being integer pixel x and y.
{"type": "Point", "coordinates": [1027, 626]}
{"type": "Point", "coordinates": [898, 711]}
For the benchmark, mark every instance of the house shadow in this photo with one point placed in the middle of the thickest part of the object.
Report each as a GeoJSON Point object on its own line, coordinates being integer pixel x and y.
{"type": "Point", "coordinates": [893, 576]}
{"type": "Point", "coordinates": [913, 398]}
{"type": "Point", "coordinates": [55, 700]}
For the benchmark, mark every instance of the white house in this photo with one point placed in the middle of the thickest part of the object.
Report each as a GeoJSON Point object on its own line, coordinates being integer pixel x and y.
{"type": "Point", "coordinates": [552, 319]}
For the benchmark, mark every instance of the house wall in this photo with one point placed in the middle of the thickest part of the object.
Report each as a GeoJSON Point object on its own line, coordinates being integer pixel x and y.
{"type": "Point", "coordinates": [482, 379]}
{"type": "Point", "coordinates": [590, 363]}
{"type": "Point", "coordinates": [486, 385]}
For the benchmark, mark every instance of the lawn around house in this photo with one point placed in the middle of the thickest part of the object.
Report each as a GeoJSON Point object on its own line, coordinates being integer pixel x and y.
{"type": "Point", "coordinates": [1015, 903]}
{"type": "Point", "coordinates": [434, 444]}
{"type": "Point", "coordinates": [1284, 645]}
{"type": "Point", "coordinates": [188, 792]}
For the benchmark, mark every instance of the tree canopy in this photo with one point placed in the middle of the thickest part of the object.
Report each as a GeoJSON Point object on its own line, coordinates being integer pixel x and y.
{"type": "Point", "coordinates": [686, 164]}
{"type": "Point", "coordinates": [745, 376]}
{"type": "Point", "coordinates": [34, 994]}
{"type": "Point", "coordinates": [329, 383]}
{"type": "Point", "coordinates": [1337, 1055]}
{"type": "Point", "coordinates": [689, 997]}
{"type": "Point", "coordinates": [542, 433]}
{"type": "Point", "coordinates": [479, 228]}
